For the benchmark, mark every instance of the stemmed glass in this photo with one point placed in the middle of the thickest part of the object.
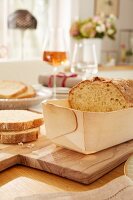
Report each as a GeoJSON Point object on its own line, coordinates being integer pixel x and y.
{"type": "Point", "coordinates": [55, 52]}
{"type": "Point", "coordinates": [84, 59]}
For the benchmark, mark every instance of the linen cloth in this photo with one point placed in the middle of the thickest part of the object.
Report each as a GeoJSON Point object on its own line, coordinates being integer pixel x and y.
{"type": "Point", "coordinates": [62, 80]}
{"type": "Point", "coordinates": [119, 189]}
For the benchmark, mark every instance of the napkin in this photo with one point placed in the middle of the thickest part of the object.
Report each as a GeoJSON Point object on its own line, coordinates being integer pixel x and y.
{"type": "Point", "coordinates": [62, 80]}
{"type": "Point", "coordinates": [119, 189]}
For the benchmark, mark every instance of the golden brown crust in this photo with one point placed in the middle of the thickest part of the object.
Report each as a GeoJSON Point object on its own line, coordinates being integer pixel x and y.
{"type": "Point", "coordinates": [29, 93]}
{"type": "Point", "coordinates": [32, 120]}
{"type": "Point", "coordinates": [19, 91]}
{"type": "Point", "coordinates": [21, 125]}
{"type": "Point", "coordinates": [26, 96]}
{"type": "Point", "coordinates": [124, 86]}
{"type": "Point", "coordinates": [20, 136]}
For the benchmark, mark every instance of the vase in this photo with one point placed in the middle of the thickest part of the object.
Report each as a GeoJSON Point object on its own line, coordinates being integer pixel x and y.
{"type": "Point", "coordinates": [84, 59]}
{"type": "Point", "coordinates": [98, 47]}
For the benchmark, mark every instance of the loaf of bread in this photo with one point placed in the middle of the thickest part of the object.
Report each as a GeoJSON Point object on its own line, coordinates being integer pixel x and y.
{"type": "Point", "coordinates": [10, 89]}
{"type": "Point", "coordinates": [15, 137]}
{"type": "Point", "coordinates": [19, 120]}
{"type": "Point", "coordinates": [101, 95]}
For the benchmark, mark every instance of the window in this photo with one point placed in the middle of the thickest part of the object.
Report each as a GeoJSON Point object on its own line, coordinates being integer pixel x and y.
{"type": "Point", "coordinates": [22, 28]}
{"type": "Point", "coordinates": [20, 41]}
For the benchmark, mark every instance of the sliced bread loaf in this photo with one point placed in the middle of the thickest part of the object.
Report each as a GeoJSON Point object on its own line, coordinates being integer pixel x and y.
{"type": "Point", "coordinates": [17, 120]}
{"type": "Point", "coordinates": [10, 89]}
{"type": "Point", "coordinates": [14, 137]}
{"type": "Point", "coordinates": [30, 92]}
{"type": "Point", "coordinates": [101, 95]}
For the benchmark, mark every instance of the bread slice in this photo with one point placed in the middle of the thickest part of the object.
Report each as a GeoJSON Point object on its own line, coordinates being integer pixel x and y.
{"type": "Point", "coordinates": [14, 137]}
{"type": "Point", "coordinates": [101, 95]}
{"type": "Point", "coordinates": [9, 89]}
{"type": "Point", "coordinates": [17, 120]}
{"type": "Point", "coordinates": [30, 92]}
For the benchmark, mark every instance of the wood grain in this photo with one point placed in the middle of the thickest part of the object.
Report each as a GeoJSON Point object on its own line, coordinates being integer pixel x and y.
{"type": "Point", "coordinates": [52, 180]}
{"type": "Point", "coordinates": [76, 166]}
{"type": "Point", "coordinates": [63, 162]}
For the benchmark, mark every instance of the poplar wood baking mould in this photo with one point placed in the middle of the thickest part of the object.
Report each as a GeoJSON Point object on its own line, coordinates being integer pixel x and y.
{"type": "Point", "coordinates": [86, 132]}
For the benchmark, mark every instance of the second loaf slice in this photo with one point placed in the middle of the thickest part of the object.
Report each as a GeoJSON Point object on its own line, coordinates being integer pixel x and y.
{"type": "Point", "coordinates": [14, 137]}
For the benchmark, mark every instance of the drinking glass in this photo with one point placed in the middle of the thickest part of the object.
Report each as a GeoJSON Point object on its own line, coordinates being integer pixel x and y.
{"type": "Point", "coordinates": [55, 52]}
{"type": "Point", "coordinates": [84, 59]}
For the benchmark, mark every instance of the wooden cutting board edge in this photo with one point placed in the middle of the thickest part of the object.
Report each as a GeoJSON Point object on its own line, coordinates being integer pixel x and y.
{"type": "Point", "coordinates": [79, 176]}
{"type": "Point", "coordinates": [86, 178]}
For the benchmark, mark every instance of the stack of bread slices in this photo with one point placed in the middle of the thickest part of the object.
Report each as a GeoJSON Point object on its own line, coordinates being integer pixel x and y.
{"type": "Point", "coordinates": [19, 126]}
{"type": "Point", "coordinates": [14, 89]}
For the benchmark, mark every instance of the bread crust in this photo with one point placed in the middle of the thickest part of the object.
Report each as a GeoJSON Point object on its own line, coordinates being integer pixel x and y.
{"type": "Point", "coordinates": [29, 93]}
{"type": "Point", "coordinates": [14, 123]}
{"type": "Point", "coordinates": [20, 136]}
{"type": "Point", "coordinates": [125, 87]}
{"type": "Point", "coordinates": [21, 88]}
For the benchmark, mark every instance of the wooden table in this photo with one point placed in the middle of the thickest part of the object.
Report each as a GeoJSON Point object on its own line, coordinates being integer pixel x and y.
{"type": "Point", "coordinates": [55, 181]}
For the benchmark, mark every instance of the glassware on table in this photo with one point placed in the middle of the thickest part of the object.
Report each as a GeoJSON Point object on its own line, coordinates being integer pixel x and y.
{"type": "Point", "coordinates": [84, 59]}
{"type": "Point", "coordinates": [55, 52]}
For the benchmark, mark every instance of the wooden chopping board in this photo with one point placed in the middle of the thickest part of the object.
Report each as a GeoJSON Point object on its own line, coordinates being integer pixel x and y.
{"type": "Point", "coordinates": [48, 157]}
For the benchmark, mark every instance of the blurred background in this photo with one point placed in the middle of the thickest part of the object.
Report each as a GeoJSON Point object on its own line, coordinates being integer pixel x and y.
{"type": "Point", "coordinates": [20, 41]}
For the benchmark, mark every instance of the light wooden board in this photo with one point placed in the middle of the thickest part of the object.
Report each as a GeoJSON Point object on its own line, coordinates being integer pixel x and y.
{"type": "Point", "coordinates": [63, 162]}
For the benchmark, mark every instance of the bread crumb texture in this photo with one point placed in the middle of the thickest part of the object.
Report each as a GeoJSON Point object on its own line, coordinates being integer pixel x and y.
{"type": "Point", "coordinates": [12, 137]}
{"type": "Point", "coordinates": [101, 95]}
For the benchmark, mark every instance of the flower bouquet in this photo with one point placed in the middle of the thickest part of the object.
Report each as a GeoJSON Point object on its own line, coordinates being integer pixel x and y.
{"type": "Point", "coordinates": [94, 27]}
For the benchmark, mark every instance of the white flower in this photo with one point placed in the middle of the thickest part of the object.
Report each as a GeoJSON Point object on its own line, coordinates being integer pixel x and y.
{"type": "Point", "coordinates": [100, 28]}
{"type": "Point", "coordinates": [110, 31]}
